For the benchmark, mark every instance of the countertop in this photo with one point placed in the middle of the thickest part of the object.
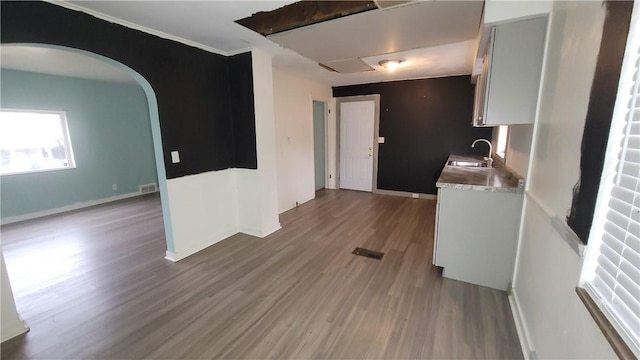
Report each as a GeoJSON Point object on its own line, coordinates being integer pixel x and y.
{"type": "Point", "coordinates": [494, 179]}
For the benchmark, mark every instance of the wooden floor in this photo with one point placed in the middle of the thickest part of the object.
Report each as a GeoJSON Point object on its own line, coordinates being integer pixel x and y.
{"type": "Point", "coordinates": [94, 284]}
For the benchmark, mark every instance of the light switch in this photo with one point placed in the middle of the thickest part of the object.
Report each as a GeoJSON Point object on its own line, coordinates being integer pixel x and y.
{"type": "Point", "coordinates": [381, 140]}
{"type": "Point", "coordinates": [175, 157]}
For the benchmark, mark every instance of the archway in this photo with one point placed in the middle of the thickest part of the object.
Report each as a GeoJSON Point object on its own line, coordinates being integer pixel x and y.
{"type": "Point", "coordinates": [151, 103]}
{"type": "Point", "coordinates": [154, 123]}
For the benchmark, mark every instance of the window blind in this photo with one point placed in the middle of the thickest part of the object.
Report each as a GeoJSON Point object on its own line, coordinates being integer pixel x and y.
{"type": "Point", "coordinates": [616, 283]}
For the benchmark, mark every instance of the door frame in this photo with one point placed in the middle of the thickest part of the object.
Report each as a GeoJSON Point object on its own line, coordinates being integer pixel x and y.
{"type": "Point", "coordinates": [376, 132]}
{"type": "Point", "coordinates": [325, 115]}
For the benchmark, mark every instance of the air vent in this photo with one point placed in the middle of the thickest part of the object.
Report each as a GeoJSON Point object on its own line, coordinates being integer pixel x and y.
{"type": "Point", "coordinates": [368, 253]}
{"type": "Point", "coordinates": [148, 188]}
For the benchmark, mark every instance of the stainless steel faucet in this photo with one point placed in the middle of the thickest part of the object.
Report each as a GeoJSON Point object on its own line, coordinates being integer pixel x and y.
{"type": "Point", "coordinates": [488, 158]}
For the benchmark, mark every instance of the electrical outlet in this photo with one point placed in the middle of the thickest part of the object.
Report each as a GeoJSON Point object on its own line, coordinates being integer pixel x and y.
{"type": "Point", "coordinates": [114, 186]}
{"type": "Point", "coordinates": [175, 157]}
{"type": "Point", "coordinates": [415, 196]}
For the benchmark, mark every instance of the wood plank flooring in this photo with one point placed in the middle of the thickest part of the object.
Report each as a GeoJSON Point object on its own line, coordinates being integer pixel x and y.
{"type": "Point", "coordinates": [94, 284]}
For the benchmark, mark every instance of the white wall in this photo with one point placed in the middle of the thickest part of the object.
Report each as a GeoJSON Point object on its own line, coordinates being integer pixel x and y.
{"type": "Point", "coordinates": [12, 325]}
{"type": "Point", "coordinates": [203, 211]}
{"type": "Point", "coordinates": [258, 190]}
{"type": "Point", "coordinates": [555, 322]}
{"type": "Point", "coordinates": [519, 148]}
{"type": "Point", "coordinates": [497, 11]}
{"type": "Point", "coordinates": [209, 207]}
{"type": "Point", "coordinates": [293, 106]}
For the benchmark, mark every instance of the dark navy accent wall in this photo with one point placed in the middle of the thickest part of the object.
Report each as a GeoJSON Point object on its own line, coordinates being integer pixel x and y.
{"type": "Point", "coordinates": [422, 121]}
{"type": "Point", "coordinates": [196, 98]}
{"type": "Point", "coordinates": [243, 111]}
{"type": "Point", "coordinates": [604, 91]}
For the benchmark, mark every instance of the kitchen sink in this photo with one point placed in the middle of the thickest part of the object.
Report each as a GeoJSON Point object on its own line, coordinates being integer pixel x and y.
{"type": "Point", "coordinates": [467, 163]}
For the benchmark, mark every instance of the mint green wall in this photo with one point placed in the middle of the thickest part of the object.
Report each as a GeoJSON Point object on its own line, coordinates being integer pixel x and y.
{"type": "Point", "coordinates": [110, 135]}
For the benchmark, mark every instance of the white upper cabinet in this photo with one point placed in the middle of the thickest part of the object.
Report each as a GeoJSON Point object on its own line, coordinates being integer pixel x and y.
{"type": "Point", "coordinates": [507, 88]}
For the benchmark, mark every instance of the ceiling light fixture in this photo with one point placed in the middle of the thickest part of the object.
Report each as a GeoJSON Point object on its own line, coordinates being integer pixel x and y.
{"type": "Point", "coordinates": [390, 64]}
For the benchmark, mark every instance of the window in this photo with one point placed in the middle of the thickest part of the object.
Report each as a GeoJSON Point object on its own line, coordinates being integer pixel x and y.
{"type": "Point", "coordinates": [502, 132]}
{"type": "Point", "coordinates": [611, 274]}
{"type": "Point", "coordinates": [33, 141]}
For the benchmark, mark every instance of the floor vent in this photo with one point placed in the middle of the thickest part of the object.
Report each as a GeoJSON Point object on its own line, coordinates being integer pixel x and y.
{"type": "Point", "coordinates": [148, 188]}
{"type": "Point", "coordinates": [368, 253]}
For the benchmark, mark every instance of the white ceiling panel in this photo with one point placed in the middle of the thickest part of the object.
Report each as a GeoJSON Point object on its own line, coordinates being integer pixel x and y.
{"type": "Point", "coordinates": [437, 61]}
{"type": "Point", "coordinates": [416, 25]}
{"type": "Point", "coordinates": [404, 28]}
{"type": "Point", "coordinates": [348, 66]}
{"type": "Point", "coordinates": [210, 23]}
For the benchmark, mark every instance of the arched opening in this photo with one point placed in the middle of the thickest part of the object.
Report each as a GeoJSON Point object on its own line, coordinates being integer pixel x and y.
{"type": "Point", "coordinates": [147, 99]}
{"type": "Point", "coordinates": [152, 104]}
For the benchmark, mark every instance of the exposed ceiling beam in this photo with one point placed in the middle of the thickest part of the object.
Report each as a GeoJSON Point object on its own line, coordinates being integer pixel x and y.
{"type": "Point", "coordinates": [301, 14]}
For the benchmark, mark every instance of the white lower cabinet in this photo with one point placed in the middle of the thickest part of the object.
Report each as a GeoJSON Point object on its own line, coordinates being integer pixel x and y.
{"type": "Point", "coordinates": [476, 235]}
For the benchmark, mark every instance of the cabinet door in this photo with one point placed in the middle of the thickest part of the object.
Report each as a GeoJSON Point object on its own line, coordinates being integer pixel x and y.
{"type": "Point", "coordinates": [514, 72]}
{"type": "Point", "coordinates": [482, 82]}
{"type": "Point", "coordinates": [478, 235]}
{"type": "Point", "coordinates": [435, 232]}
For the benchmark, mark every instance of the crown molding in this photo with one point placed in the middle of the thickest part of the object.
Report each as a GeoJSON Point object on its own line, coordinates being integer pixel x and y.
{"type": "Point", "coordinates": [240, 51]}
{"type": "Point", "coordinates": [144, 29]}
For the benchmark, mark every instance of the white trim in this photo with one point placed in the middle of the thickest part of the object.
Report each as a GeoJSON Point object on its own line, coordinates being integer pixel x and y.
{"type": "Point", "coordinates": [24, 328]}
{"type": "Point", "coordinates": [567, 233]}
{"type": "Point", "coordinates": [299, 203]}
{"type": "Point", "coordinates": [174, 257]}
{"type": "Point", "coordinates": [405, 194]}
{"type": "Point", "coordinates": [259, 233]}
{"type": "Point", "coordinates": [196, 248]}
{"type": "Point", "coordinates": [144, 29]}
{"type": "Point", "coordinates": [521, 325]}
{"type": "Point", "coordinates": [171, 256]}
{"type": "Point", "coordinates": [233, 52]}
{"type": "Point", "coordinates": [38, 214]}
{"type": "Point", "coordinates": [559, 225]}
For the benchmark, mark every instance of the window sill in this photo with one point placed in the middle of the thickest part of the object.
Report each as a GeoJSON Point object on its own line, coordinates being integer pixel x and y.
{"type": "Point", "coordinates": [615, 340]}
{"type": "Point", "coordinates": [22, 172]}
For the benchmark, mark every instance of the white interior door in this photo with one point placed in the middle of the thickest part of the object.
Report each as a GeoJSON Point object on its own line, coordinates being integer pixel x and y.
{"type": "Point", "coordinates": [356, 145]}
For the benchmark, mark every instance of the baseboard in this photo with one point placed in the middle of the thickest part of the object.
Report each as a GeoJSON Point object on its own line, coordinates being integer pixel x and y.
{"type": "Point", "coordinates": [405, 194]}
{"type": "Point", "coordinates": [521, 327]}
{"type": "Point", "coordinates": [271, 229]}
{"type": "Point", "coordinates": [252, 232]}
{"type": "Point", "coordinates": [23, 329]}
{"type": "Point", "coordinates": [213, 239]}
{"type": "Point", "coordinates": [293, 206]}
{"type": "Point", "coordinates": [171, 256]}
{"type": "Point", "coordinates": [63, 209]}
{"type": "Point", "coordinates": [259, 232]}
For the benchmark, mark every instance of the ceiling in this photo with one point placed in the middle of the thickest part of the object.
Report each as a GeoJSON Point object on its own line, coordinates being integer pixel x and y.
{"type": "Point", "coordinates": [54, 61]}
{"type": "Point", "coordinates": [434, 38]}
{"type": "Point", "coordinates": [388, 33]}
